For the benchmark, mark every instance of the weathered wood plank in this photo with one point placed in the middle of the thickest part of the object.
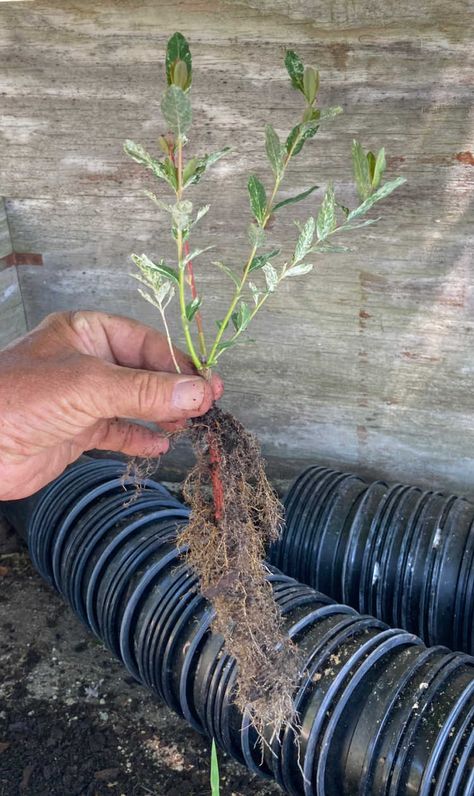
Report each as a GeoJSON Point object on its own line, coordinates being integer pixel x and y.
{"type": "Point", "coordinates": [369, 362]}
{"type": "Point", "coordinates": [6, 246]}
{"type": "Point", "coordinates": [12, 316]}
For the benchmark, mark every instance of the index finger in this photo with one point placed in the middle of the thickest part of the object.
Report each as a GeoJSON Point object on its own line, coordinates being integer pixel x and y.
{"type": "Point", "coordinates": [124, 341]}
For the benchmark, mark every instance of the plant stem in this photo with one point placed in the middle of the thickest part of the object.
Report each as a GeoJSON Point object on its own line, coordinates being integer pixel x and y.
{"type": "Point", "coordinates": [198, 318]}
{"type": "Point", "coordinates": [246, 271]}
{"type": "Point", "coordinates": [200, 363]}
{"type": "Point", "coordinates": [170, 343]}
{"type": "Point", "coordinates": [182, 304]}
{"type": "Point", "coordinates": [238, 291]}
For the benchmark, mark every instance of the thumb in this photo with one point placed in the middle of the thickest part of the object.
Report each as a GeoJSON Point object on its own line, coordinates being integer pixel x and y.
{"type": "Point", "coordinates": [148, 395]}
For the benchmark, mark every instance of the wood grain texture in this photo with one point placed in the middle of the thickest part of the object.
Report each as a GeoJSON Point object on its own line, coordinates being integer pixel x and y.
{"type": "Point", "coordinates": [368, 363]}
{"type": "Point", "coordinates": [12, 316]}
{"type": "Point", "coordinates": [6, 247]}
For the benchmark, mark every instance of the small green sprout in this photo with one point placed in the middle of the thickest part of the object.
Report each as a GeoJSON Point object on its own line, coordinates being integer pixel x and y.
{"type": "Point", "coordinates": [215, 786]}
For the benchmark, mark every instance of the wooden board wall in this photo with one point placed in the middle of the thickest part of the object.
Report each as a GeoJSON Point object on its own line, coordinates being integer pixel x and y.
{"type": "Point", "coordinates": [368, 363]}
{"type": "Point", "coordinates": [12, 313]}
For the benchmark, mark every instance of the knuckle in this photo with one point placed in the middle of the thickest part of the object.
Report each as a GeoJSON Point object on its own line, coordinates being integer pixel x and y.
{"type": "Point", "coordinates": [55, 320]}
{"type": "Point", "coordinates": [149, 392]}
{"type": "Point", "coordinates": [55, 317]}
{"type": "Point", "coordinates": [81, 322]}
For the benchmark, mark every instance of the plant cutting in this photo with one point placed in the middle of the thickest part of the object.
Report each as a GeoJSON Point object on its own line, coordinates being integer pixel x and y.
{"type": "Point", "coordinates": [235, 512]}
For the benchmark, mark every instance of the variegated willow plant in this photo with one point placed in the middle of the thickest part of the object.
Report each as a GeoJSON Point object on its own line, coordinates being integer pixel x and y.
{"type": "Point", "coordinates": [235, 513]}
{"type": "Point", "coordinates": [163, 280]}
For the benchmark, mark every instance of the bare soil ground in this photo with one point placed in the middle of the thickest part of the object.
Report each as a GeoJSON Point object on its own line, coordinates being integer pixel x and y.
{"type": "Point", "coordinates": [72, 722]}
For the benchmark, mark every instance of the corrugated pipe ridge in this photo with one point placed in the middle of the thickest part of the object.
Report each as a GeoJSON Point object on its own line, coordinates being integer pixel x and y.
{"type": "Point", "coordinates": [400, 553]}
{"type": "Point", "coordinates": [379, 713]}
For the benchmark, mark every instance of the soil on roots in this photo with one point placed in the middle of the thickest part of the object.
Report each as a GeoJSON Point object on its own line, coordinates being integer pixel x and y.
{"type": "Point", "coordinates": [234, 515]}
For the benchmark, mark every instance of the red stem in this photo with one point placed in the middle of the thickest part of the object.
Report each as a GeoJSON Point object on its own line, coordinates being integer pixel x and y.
{"type": "Point", "coordinates": [216, 479]}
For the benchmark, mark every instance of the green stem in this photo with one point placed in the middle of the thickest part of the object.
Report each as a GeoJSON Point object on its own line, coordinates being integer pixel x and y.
{"type": "Point", "coordinates": [233, 304]}
{"type": "Point", "coordinates": [245, 273]}
{"type": "Point", "coordinates": [181, 270]}
{"type": "Point", "coordinates": [238, 291]}
{"type": "Point", "coordinates": [252, 315]}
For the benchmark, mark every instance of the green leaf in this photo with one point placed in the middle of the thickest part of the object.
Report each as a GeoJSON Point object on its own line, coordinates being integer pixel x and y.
{"type": "Point", "coordinates": [215, 156]}
{"type": "Point", "coordinates": [361, 171]}
{"type": "Point", "coordinates": [160, 296]}
{"type": "Point", "coordinates": [241, 318]}
{"type": "Point", "coordinates": [181, 214]}
{"type": "Point", "coordinates": [293, 199]}
{"type": "Point", "coordinates": [215, 787]}
{"type": "Point", "coordinates": [193, 307]}
{"type": "Point", "coordinates": [380, 193]}
{"type": "Point", "coordinates": [170, 172]}
{"type": "Point", "coordinates": [330, 248]}
{"type": "Point", "coordinates": [305, 240]}
{"type": "Point", "coordinates": [310, 83]}
{"type": "Point", "coordinates": [228, 271]}
{"type": "Point", "coordinates": [358, 225]}
{"type": "Point", "coordinates": [344, 209]}
{"type": "Point", "coordinates": [274, 150]}
{"type": "Point", "coordinates": [225, 345]}
{"type": "Point", "coordinates": [326, 114]}
{"type": "Point", "coordinates": [300, 134]}
{"type": "Point", "coordinates": [271, 277]}
{"type": "Point", "coordinates": [380, 166]}
{"type": "Point", "coordinates": [295, 69]}
{"type": "Point", "coordinates": [148, 298]}
{"type": "Point", "coordinates": [256, 235]}
{"type": "Point", "coordinates": [311, 114]}
{"type": "Point", "coordinates": [137, 153]}
{"type": "Point", "coordinates": [163, 292]}
{"type": "Point", "coordinates": [178, 50]}
{"type": "Point", "coordinates": [221, 325]}
{"type": "Point", "coordinates": [299, 270]}
{"type": "Point", "coordinates": [157, 201]}
{"type": "Point", "coordinates": [261, 259]}
{"type": "Point", "coordinates": [176, 108]}
{"type": "Point", "coordinates": [258, 198]}
{"type": "Point", "coordinates": [371, 164]}
{"type": "Point", "coordinates": [204, 162]}
{"type": "Point", "coordinates": [159, 168]}
{"type": "Point", "coordinates": [326, 222]}
{"type": "Point", "coordinates": [256, 293]}
{"type": "Point", "coordinates": [192, 255]}
{"type": "Point", "coordinates": [189, 170]}
{"type": "Point", "coordinates": [161, 267]}
{"type": "Point", "coordinates": [200, 213]}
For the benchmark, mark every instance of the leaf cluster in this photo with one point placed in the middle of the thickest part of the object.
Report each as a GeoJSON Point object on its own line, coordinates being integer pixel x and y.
{"type": "Point", "coordinates": [332, 217]}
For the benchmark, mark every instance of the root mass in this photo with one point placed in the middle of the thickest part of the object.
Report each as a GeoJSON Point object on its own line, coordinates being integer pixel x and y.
{"type": "Point", "coordinates": [235, 514]}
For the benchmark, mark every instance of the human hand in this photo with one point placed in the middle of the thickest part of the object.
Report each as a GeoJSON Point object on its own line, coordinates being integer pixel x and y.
{"type": "Point", "coordinates": [65, 387]}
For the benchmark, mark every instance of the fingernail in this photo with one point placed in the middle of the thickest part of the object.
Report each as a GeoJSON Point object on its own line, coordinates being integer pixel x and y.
{"type": "Point", "coordinates": [188, 394]}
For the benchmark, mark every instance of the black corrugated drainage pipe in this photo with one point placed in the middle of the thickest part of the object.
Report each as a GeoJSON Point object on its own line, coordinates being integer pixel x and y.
{"type": "Point", "coordinates": [379, 713]}
{"type": "Point", "coordinates": [400, 553]}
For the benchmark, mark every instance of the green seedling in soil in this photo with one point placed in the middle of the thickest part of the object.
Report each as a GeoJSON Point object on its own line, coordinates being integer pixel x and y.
{"type": "Point", "coordinates": [215, 779]}
{"type": "Point", "coordinates": [235, 513]}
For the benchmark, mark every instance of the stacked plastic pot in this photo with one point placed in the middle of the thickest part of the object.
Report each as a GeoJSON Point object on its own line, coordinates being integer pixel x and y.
{"type": "Point", "coordinates": [400, 553]}
{"type": "Point", "coordinates": [379, 713]}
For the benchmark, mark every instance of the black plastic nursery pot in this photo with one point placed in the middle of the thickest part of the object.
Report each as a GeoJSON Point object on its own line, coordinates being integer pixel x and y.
{"type": "Point", "coordinates": [378, 712]}
{"type": "Point", "coordinates": [400, 553]}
